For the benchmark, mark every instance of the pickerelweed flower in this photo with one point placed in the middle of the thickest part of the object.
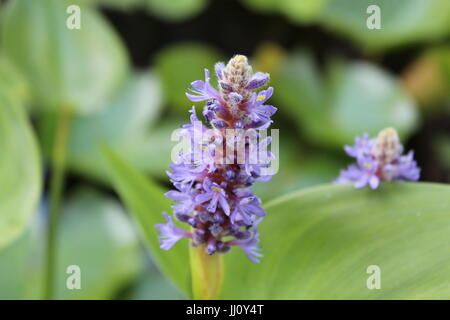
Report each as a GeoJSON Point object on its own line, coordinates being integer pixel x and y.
{"type": "Point", "coordinates": [212, 178]}
{"type": "Point", "coordinates": [379, 159]}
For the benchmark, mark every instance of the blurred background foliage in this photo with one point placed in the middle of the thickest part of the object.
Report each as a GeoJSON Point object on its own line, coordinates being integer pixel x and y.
{"type": "Point", "coordinates": [124, 74]}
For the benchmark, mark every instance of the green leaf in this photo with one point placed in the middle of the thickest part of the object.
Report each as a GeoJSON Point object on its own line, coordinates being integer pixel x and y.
{"type": "Point", "coordinates": [146, 202]}
{"type": "Point", "coordinates": [302, 11]}
{"type": "Point", "coordinates": [350, 100]}
{"type": "Point", "coordinates": [402, 21]}
{"type": "Point", "coordinates": [76, 68]}
{"type": "Point", "coordinates": [96, 235]}
{"type": "Point", "coordinates": [298, 11]}
{"type": "Point", "coordinates": [159, 138]}
{"type": "Point", "coordinates": [20, 170]}
{"type": "Point", "coordinates": [123, 125]}
{"type": "Point", "coordinates": [12, 81]}
{"type": "Point", "coordinates": [175, 10]}
{"type": "Point", "coordinates": [120, 4]}
{"type": "Point", "coordinates": [318, 244]}
{"type": "Point", "coordinates": [180, 65]}
{"type": "Point", "coordinates": [153, 286]}
{"type": "Point", "coordinates": [19, 268]}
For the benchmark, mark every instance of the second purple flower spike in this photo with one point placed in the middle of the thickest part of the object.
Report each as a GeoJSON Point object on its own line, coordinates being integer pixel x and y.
{"type": "Point", "coordinates": [379, 159]}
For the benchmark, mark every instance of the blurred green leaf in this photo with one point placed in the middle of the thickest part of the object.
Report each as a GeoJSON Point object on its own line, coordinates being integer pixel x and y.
{"type": "Point", "coordinates": [153, 286]}
{"type": "Point", "coordinates": [120, 4]}
{"type": "Point", "coordinates": [20, 171]}
{"type": "Point", "coordinates": [302, 11]}
{"type": "Point", "coordinates": [158, 142]}
{"type": "Point", "coordinates": [12, 81]}
{"type": "Point", "coordinates": [180, 65]}
{"type": "Point", "coordinates": [146, 202]}
{"type": "Point", "coordinates": [299, 11]}
{"type": "Point", "coordinates": [402, 21]}
{"type": "Point", "coordinates": [350, 100]}
{"type": "Point", "coordinates": [96, 235]}
{"type": "Point", "coordinates": [124, 125]}
{"type": "Point", "coordinates": [175, 10]}
{"type": "Point", "coordinates": [319, 242]}
{"type": "Point", "coordinates": [71, 68]}
{"type": "Point", "coordinates": [19, 268]}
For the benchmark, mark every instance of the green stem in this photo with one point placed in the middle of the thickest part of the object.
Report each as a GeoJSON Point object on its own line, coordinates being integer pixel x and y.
{"type": "Point", "coordinates": [58, 160]}
{"type": "Point", "coordinates": [206, 274]}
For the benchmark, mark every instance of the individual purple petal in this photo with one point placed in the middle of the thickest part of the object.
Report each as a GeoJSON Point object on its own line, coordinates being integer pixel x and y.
{"type": "Point", "coordinates": [202, 90]}
{"type": "Point", "coordinates": [247, 207]}
{"type": "Point", "coordinates": [259, 79]}
{"type": "Point", "coordinates": [203, 197]}
{"type": "Point", "coordinates": [407, 168]}
{"type": "Point", "coordinates": [185, 201]}
{"type": "Point", "coordinates": [169, 234]}
{"type": "Point", "coordinates": [224, 205]}
{"type": "Point", "coordinates": [361, 148]}
{"type": "Point", "coordinates": [262, 96]}
{"type": "Point", "coordinates": [219, 66]}
{"type": "Point", "coordinates": [374, 181]}
{"type": "Point", "coordinates": [177, 196]}
{"type": "Point", "coordinates": [251, 245]}
{"type": "Point", "coordinates": [235, 97]}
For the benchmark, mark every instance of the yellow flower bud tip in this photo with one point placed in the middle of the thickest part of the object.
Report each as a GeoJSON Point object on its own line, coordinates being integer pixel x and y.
{"type": "Point", "coordinates": [387, 145]}
{"type": "Point", "coordinates": [238, 71]}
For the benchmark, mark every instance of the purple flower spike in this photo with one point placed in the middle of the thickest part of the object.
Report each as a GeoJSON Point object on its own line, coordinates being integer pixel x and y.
{"type": "Point", "coordinates": [377, 160]}
{"type": "Point", "coordinates": [169, 233]}
{"type": "Point", "coordinates": [212, 187]}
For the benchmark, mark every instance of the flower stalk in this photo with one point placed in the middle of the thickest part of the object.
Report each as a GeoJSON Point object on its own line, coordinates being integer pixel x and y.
{"type": "Point", "coordinates": [58, 161]}
{"type": "Point", "coordinates": [206, 273]}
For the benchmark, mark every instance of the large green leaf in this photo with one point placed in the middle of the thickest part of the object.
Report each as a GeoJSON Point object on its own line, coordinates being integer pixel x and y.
{"type": "Point", "coordinates": [146, 202]}
{"type": "Point", "coordinates": [20, 171]}
{"type": "Point", "coordinates": [72, 68]}
{"type": "Point", "coordinates": [352, 99]}
{"type": "Point", "coordinates": [318, 244]}
{"type": "Point", "coordinates": [402, 21]}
